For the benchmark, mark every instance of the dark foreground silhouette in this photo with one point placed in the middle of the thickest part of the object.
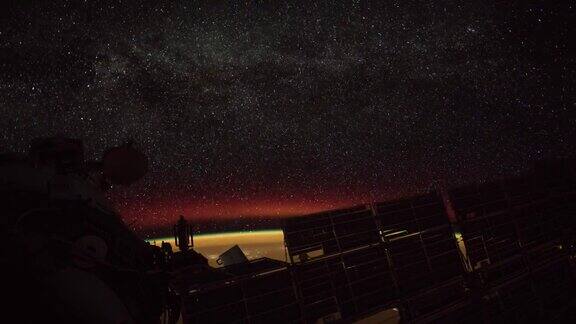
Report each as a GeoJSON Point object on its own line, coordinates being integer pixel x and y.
{"type": "Point", "coordinates": [498, 252]}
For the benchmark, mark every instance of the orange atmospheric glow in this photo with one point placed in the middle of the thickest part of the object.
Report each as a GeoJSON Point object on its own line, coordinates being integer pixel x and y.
{"type": "Point", "coordinates": [166, 212]}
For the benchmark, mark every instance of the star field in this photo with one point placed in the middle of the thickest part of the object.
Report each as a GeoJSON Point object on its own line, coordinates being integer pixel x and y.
{"type": "Point", "coordinates": [276, 108]}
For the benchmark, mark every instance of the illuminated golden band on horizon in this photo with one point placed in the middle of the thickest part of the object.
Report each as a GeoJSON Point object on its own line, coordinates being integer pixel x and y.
{"type": "Point", "coordinates": [255, 244]}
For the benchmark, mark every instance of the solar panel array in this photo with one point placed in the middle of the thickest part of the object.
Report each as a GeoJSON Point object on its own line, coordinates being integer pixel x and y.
{"type": "Point", "coordinates": [330, 233]}
{"type": "Point", "coordinates": [517, 241]}
{"type": "Point", "coordinates": [345, 285]}
{"type": "Point", "coordinates": [420, 242]}
{"type": "Point", "coordinates": [340, 266]}
{"type": "Point", "coordinates": [515, 238]}
{"type": "Point", "coordinates": [540, 296]}
{"type": "Point", "coordinates": [259, 298]}
{"type": "Point", "coordinates": [512, 230]}
{"type": "Point", "coordinates": [544, 295]}
{"type": "Point", "coordinates": [372, 257]}
{"type": "Point", "coordinates": [526, 229]}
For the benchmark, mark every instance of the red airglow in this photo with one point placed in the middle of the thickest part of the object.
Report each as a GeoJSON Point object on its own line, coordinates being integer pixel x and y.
{"type": "Point", "coordinates": [153, 215]}
{"type": "Point", "coordinates": [165, 212]}
{"type": "Point", "coordinates": [162, 207]}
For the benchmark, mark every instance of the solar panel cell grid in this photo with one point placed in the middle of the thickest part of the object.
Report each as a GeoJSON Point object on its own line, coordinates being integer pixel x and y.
{"type": "Point", "coordinates": [403, 254]}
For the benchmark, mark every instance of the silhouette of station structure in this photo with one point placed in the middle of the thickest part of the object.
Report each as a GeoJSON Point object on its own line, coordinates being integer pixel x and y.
{"type": "Point", "coordinates": [497, 252]}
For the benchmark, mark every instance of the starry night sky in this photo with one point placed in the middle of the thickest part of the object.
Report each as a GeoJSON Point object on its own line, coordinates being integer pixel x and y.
{"type": "Point", "coordinates": [259, 109]}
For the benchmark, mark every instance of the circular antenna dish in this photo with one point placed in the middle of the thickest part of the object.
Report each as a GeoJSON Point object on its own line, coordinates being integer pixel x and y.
{"type": "Point", "coordinates": [124, 165]}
